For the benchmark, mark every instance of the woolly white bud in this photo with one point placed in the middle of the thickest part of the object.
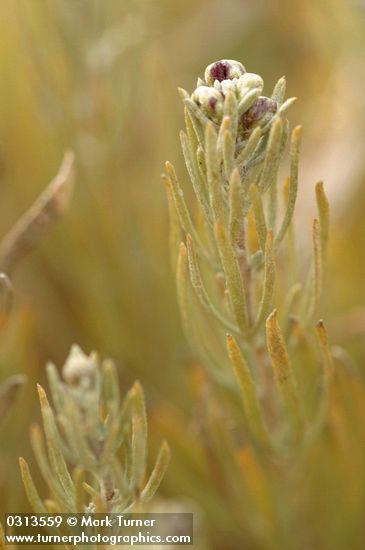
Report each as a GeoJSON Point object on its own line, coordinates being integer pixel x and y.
{"type": "Point", "coordinates": [79, 369]}
{"type": "Point", "coordinates": [248, 82]}
{"type": "Point", "coordinates": [210, 102]}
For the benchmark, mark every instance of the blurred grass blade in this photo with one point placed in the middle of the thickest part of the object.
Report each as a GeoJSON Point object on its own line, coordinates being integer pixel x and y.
{"type": "Point", "coordinates": [6, 299]}
{"type": "Point", "coordinates": [36, 222]}
{"type": "Point", "coordinates": [9, 392]}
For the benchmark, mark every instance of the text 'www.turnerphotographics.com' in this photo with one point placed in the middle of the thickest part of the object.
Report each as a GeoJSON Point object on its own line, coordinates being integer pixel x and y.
{"type": "Point", "coordinates": [112, 529]}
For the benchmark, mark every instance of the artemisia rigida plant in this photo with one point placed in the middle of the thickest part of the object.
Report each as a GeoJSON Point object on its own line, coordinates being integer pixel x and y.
{"type": "Point", "coordinates": [92, 452]}
{"type": "Point", "coordinates": [102, 437]}
{"type": "Point", "coordinates": [281, 410]}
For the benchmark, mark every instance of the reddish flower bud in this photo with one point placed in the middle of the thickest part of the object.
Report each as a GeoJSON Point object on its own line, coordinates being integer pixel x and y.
{"type": "Point", "coordinates": [225, 69]}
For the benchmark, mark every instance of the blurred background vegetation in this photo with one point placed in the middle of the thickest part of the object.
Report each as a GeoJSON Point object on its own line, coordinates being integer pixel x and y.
{"type": "Point", "coordinates": [100, 77]}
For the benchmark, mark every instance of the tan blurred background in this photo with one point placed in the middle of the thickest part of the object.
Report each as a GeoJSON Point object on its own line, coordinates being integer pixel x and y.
{"type": "Point", "coordinates": [100, 77]}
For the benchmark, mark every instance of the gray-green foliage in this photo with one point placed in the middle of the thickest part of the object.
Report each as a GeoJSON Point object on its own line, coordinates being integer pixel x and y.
{"type": "Point", "coordinates": [240, 235]}
{"type": "Point", "coordinates": [93, 455]}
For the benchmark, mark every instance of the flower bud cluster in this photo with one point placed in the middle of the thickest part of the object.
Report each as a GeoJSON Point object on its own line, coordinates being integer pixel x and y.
{"type": "Point", "coordinates": [226, 76]}
{"type": "Point", "coordinates": [80, 370]}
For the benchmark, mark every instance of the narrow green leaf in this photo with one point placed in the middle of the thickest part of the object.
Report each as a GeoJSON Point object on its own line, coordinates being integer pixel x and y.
{"type": "Point", "coordinates": [37, 442]}
{"type": "Point", "coordinates": [200, 157]}
{"type": "Point", "coordinates": [269, 283]}
{"type": "Point", "coordinates": [224, 127]}
{"type": "Point", "coordinates": [180, 205]}
{"type": "Point", "coordinates": [258, 212]}
{"type": "Point", "coordinates": [284, 376]}
{"type": "Point", "coordinates": [182, 284]}
{"type": "Point", "coordinates": [198, 285]}
{"type": "Point", "coordinates": [325, 351]}
{"type": "Point", "coordinates": [111, 393]}
{"type": "Point", "coordinates": [132, 403]}
{"type": "Point", "coordinates": [230, 109]}
{"type": "Point", "coordinates": [233, 277]}
{"type": "Point", "coordinates": [139, 451]}
{"type": "Point", "coordinates": [248, 100]}
{"type": "Point", "coordinates": [229, 147]}
{"type": "Point", "coordinates": [30, 489]}
{"type": "Point", "coordinates": [236, 210]}
{"type": "Point", "coordinates": [139, 404]}
{"type": "Point", "coordinates": [174, 225]}
{"type": "Point", "coordinates": [197, 113]}
{"type": "Point", "coordinates": [272, 157]}
{"type": "Point", "coordinates": [57, 460]}
{"type": "Point", "coordinates": [195, 122]}
{"type": "Point", "coordinates": [250, 146]}
{"type": "Point", "coordinates": [273, 205]}
{"type": "Point", "coordinates": [279, 90]}
{"type": "Point", "coordinates": [54, 383]}
{"type": "Point", "coordinates": [214, 180]}
{"type": "Point", "coordinates": [70, 424]}
{"type": "Point", "coordinates": [78, 478]}
{"type": "Point", "coordinates": [324, 217]}
{"type": "Point", "coordinates": [328, 369]}
{"type": "Point", "coordinates": [293, 183]}
{"type": "Point", "coordinates": [193, 170]}
{"type": "Point", "coordinates": [158, 472]}
{"type": "Point", "coordinates": [317, 273]}
{"type": "Point", "coordinates": [251, 404]}
{"type": "Point", "coordinates": [286, 105]}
